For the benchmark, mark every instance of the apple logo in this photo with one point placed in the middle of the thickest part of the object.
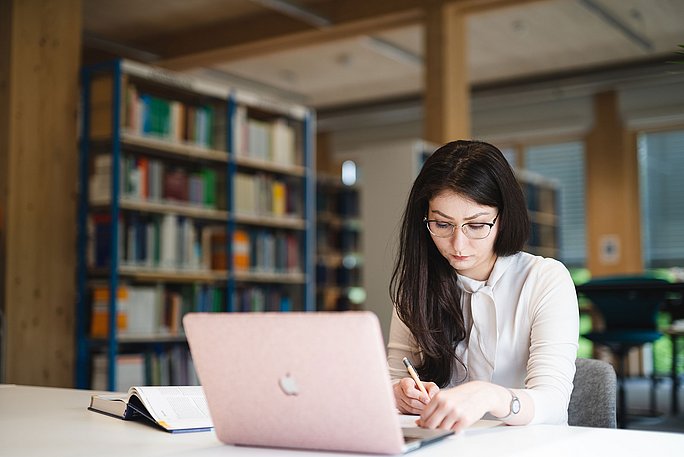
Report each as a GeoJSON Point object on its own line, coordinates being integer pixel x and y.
{"type": "Point", "coordinates": [288, 384]}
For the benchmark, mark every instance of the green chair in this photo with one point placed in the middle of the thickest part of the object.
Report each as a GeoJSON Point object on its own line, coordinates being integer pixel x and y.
{"type": "Point", "coordinates": [629, 306]}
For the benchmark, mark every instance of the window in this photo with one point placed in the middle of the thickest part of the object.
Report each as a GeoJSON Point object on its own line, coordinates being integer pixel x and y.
{"type": "Point", "coordinates": [661, 190]}
{"type": "Point", "coordinates": [564, 162]}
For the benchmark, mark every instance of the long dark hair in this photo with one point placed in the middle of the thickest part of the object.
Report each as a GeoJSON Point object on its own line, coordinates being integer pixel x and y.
{"type": "Point", "coordinates": [423, 285]}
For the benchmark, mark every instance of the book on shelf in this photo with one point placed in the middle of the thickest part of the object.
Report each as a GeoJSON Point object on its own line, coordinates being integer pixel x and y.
{"type": "Point", "coordinates": [274, 251]}
{"type": "Point", "coordinates": [171, 408]}
{"type": "Point", "coordinates": [257, 299]}
{"type": "Point", "coordinates": [241, 250]}
{"type": "Point", "coordinates": [169, 242]}
{"type": "Point", "coordinates": [273, 141]}
{"type": "Point", "coordinates": [149, 115]}
{"type": "Point", "coordinates": [155, 310]}
{"type": "Point", "coordinates": [151, 180]}
{"type": "Point", "coordinates": [130, 371]}
{"type": "Point", "coordinates": [170, 366]}
{"type": "Point", "coordinates": [262, 194]}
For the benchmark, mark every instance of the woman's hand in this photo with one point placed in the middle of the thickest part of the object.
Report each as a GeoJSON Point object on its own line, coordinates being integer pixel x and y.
{"type": "Point", "coordinates": [409, 399]}
{"type": "Point", "coordinates": [460, 407]}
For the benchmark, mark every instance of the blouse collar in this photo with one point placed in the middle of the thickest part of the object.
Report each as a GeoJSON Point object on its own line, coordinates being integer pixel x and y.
{"type": "Point", "coordinates": [472, 285]}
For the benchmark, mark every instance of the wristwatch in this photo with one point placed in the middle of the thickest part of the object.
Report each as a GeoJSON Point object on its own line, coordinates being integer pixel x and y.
{"type": "Point", "coordinates": [515, 406]}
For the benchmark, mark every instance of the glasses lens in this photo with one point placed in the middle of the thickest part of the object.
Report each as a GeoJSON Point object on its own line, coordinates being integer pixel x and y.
{"type": "Point", "coordinates": [476, 231]}
{"type": "Point", "coordinates": [440, 229]}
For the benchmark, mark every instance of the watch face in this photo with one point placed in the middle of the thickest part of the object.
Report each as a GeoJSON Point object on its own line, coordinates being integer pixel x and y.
{"type": "Point", "coordinates": [515, 405]}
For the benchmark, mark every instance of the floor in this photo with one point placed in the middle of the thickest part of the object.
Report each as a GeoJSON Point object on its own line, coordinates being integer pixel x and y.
{"type": "Point", "coordinates": [638, 391]}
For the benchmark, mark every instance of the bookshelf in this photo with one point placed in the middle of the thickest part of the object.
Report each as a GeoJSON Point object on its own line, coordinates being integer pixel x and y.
{"type": "Point", "coordinates": [193, 197]}
{"type": "Point", "coordinates": [339, 246]}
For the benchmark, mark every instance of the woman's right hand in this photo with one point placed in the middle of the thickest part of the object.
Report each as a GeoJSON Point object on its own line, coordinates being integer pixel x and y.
{"type": "Point", "coordinates": [409, 399]}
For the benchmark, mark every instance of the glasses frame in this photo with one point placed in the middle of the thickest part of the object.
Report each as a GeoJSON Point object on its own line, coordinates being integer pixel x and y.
{"type": "Point", "coordinates": [462, 227]}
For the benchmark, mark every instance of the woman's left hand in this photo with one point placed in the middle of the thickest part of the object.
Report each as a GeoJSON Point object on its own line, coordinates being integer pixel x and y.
{"type": "Point", "coordinates": [461, 406]}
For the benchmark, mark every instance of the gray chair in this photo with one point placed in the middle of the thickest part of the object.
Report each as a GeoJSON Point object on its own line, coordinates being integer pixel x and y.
{"type": "Point", "coordinates": [593, 399]}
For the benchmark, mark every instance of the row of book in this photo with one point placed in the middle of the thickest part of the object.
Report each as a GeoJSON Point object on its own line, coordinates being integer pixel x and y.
{"type": "Point", "coordinates": [330, 238]}
{"type": "Point", "coordinates": [155, 241]}
{"type": "Point", "coordinates": [262, 194]}
{"type": "Point", "coordinates": [540, 198]}
{"type": "Point", "coordinates": [170, 242]}
{"type": "Point", "coordinates": [257, 299]}
{"type": "Point", "coordinates": [266, 251]}
{"type": "Point", "coordinates": [143, 311]}
{"type": "Point", "coordinates": [149, 115]}
{"type": "Point", "coordinates": [340, 201]}
{"type": "Point", "coordinates": [147, 179]}
{"type": "Point", "coordinates": [543, 235]}
{"type": "Point", "coordinates": [272, 141]}
{"type": "Point", "coordinates": [171, 367]}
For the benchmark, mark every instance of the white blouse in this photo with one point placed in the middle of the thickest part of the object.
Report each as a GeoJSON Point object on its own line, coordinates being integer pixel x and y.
{"type": "Point", "coordinates": [522, 328]}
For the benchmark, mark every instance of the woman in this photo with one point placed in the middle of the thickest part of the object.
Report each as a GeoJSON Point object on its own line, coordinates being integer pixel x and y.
{"type": "Point", "coordinates": [492, 329]}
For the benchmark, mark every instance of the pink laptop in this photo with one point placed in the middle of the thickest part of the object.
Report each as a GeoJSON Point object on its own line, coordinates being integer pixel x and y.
{"type": "Point", "coordinates": [300, 380]}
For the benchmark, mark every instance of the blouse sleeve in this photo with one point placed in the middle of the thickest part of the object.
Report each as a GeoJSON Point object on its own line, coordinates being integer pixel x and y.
{"type": "Point", "coordinates": [401, 344]}
{"type": "Point", "coordinates": [554, 334]}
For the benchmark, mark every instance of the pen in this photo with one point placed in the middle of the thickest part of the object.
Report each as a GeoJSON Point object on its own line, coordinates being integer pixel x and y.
{"type": "Point", "coordinates": [414, 375]}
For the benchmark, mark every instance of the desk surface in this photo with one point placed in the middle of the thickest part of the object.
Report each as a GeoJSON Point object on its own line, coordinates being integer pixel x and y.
{"type": "Point", "coordinates": [39, 421]}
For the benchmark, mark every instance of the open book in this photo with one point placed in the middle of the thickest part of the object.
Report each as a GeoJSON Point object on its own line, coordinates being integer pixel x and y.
{"type": "Point", "coordinates": [174, 409]}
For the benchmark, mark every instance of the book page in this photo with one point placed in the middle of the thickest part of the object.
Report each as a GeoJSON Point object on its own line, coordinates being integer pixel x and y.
{"type": "Point", "coordinates": [176, 408]}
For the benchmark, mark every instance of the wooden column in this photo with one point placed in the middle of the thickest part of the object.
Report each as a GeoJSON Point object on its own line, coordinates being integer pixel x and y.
{"type": "Point", "coordinates": [40, 42]}
{"type": "Point", "coordinates": [612, 193]}
{"type": "Point", "coordinates": [447, 92]}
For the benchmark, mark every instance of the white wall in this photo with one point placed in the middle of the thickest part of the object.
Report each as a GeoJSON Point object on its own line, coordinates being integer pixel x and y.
{"type": "Point", "coordinates": [386, 173]}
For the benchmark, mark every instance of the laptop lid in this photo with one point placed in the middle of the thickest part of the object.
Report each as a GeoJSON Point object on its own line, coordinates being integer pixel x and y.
{"type": "Point", "coordinates": [297, 380]}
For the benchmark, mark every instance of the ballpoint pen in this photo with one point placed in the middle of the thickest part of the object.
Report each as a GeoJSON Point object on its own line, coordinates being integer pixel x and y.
{"type": "Point", "coordinates": [414, 375]}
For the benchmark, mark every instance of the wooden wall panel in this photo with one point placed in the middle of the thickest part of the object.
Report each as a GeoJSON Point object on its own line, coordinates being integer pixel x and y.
{"type": "Point", "coordinates": [39, 187]}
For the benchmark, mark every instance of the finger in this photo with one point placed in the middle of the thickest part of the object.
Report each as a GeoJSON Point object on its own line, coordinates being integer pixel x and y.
{"type": "Point", "coordinates": [431, 388]}
{"type": "Point", "coordinates": [410, 406]}
{"type": "Point", "coordinates": [431, 416]}
{"type": "Point", "coordinates": [410, 390]}
{"type": "Point", "coordinates": [416, 405]}
{"type": "Point", "coordinates": [459, 426]}
{"type": "Point", "coordinates": [462, 423]}
{"type": "Point", "coordinates": [450, 421]}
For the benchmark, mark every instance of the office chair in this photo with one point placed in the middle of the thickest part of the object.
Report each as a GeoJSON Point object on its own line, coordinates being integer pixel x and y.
{"type": "Point", "coordinates": [593, 399]}
{"type": "Point", "coordinates": [629, 306]}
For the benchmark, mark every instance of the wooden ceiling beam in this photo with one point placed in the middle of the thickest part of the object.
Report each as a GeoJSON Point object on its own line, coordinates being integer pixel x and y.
{"type": "Point", "coordinates": [273, 32]}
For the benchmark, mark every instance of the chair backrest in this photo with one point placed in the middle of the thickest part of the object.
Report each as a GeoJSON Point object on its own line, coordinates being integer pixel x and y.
{"type": "Point", "coordinates": [627, 302]}
{"type": "Point", "coordinates": [593, 399]}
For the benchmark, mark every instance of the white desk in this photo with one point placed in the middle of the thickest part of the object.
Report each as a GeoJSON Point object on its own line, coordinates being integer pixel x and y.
{"type": "Point", "coordinates": [38, 421]}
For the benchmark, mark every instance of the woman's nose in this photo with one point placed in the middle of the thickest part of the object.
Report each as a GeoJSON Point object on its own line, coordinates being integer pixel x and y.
{"type": "Point", "coordinates": [458, 239]}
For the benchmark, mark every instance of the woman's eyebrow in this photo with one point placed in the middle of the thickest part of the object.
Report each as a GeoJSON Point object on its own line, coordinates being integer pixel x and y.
{"type": "Point", "coordinates": [441, 214]}
{"type": "Point", "coordinates": [469, 218]}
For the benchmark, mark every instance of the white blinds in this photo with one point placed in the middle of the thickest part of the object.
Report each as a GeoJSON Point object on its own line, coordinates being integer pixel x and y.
{"type": "Point", "coordinates": [661, 190]}
{"type": "Point", "coordinates": [564, 162]}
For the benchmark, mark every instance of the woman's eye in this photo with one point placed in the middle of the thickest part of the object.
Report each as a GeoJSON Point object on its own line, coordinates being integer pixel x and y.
{"type": "Point", "coordinates": [442, 225]}
{"type": "Point", "coordinates": [476, 226]}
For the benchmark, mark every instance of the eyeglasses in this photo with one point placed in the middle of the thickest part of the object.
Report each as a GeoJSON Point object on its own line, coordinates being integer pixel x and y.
{"type": "Point", "coordinates": [472, 230]}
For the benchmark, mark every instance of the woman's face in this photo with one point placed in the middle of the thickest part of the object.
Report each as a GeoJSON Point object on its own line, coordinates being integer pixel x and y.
{"type": "Point", "coordinates": [473, 258]}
